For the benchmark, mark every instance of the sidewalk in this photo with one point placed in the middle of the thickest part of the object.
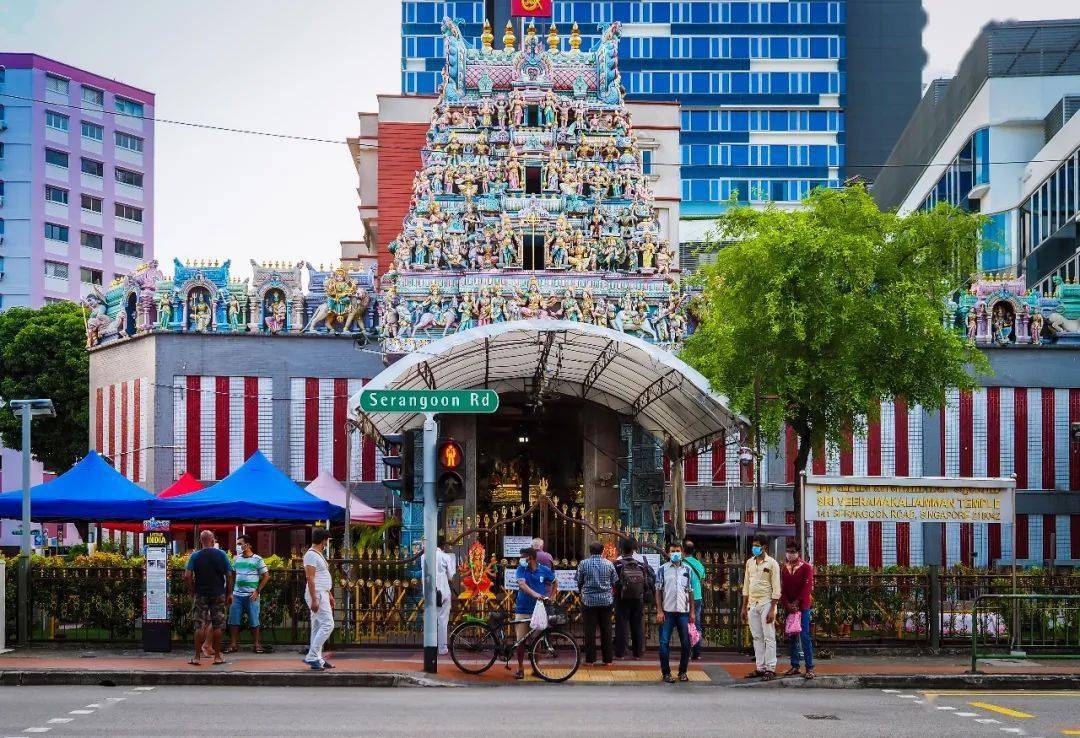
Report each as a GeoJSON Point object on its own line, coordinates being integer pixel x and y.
{"type": "Point", "coordinates": [40, 665]}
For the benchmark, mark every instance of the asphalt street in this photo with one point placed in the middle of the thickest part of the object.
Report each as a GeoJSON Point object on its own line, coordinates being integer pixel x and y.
{"type": "Point", "coordinates": [528, 710]}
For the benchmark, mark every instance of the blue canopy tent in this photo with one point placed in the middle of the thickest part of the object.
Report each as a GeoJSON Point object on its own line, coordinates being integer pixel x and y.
{"type": "Point", "coordinates": [256, 492]}
{"type": "Point", "coordinates": [89, 491]}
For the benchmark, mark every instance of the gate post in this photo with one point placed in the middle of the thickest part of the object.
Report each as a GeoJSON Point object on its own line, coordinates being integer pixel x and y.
{"type": "Point", "coordinates": [3, 608]}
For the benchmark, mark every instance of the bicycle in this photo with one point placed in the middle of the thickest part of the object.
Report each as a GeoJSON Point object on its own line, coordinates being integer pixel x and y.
{"type": "Point", "coordinates": [475, 643]}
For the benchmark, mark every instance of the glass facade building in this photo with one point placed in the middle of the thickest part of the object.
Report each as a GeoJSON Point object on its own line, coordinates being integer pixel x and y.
{"type": "Point", "coordinates": [762, 85]}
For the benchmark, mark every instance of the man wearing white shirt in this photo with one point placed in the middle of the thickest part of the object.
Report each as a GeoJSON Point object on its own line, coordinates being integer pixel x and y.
{"type": "Point", "coordinates": [444, 574]}
{"type": "Point", "coordinates": [319, 596]}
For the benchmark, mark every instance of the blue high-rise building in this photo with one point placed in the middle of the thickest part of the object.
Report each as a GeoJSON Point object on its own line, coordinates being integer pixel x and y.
{"type": "Point", "coordinates": [777, 97]}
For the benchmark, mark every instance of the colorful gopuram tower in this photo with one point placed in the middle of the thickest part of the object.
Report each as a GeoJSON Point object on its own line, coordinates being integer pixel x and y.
{"type": "Point", "coordinates": [531, 201]}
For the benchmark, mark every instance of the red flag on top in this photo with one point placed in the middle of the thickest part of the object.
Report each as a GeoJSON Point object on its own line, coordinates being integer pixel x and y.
{"type": "Point", "coordinates": [531, 8]}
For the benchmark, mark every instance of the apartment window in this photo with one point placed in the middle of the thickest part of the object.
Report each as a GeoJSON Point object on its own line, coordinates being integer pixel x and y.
{"type": "Point", "coordinates": [127, 212]}
{"type": "Point", "coordinates": [2, 113]}
{"type": "Point", "coordinates": [91, 203]}
{"type": "Point", "coordinates": [129, 142]}
{"type": "Point", "coordinates": [53, 300]}
{"type": "Point", "coordinates": [56, 194]}
{"type": "Point", "coordinates": [90, 276]}
{"type": "Point", "coordinates": [92, 131]}
{"type": "Point", "coordinates": [55, 232]}
{"type": "Point", "coordinates": [56, 158]}
{"type": "Point", "coordinates": [91, 240]}
{"type": "Point", "coordinates": [124, 176]}
{"type": "Point", "coordinates": [646, 161]}
{"type": "Point", "coordinates": [1, 150]}
{"type": "Point", "coordinates": [93, 168]}
{"type": "Point", "coordinates": [56, 84]}
{"type": "Point", "coordinates": [128, 248]}
{"type": "Point", "coordinates": [56, 120]}
{"type": "Point", "coordinates": [57, 269]}
{"type": "Point", "coordinates": [93, 96]}
{"type": "Point", "coordinates": [129, 107]}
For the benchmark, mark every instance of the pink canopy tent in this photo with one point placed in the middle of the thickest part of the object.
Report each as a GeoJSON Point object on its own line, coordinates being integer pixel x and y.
{"type": "Point", "coordinates": [326, 487]}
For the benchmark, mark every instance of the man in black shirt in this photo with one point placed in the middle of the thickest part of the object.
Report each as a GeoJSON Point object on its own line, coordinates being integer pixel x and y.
{"type": "Point", "coordinates": [209, 576]}
{"type": "Point", "coordinates": [635, 579]}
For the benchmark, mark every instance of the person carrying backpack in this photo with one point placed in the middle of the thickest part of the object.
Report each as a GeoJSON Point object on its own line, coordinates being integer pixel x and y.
{"type": "Point", "coordinates": [634, 583]}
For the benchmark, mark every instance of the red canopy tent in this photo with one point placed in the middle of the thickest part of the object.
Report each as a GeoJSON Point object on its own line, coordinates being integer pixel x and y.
{"type": "Point", "coordinates": [185, 485]}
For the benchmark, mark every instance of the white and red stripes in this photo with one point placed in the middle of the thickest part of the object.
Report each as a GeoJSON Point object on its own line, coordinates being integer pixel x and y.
{"type": "Point", "coordinates": [120, 426]}
{"type": "Point", "coordinates": [219, 421]}
{"type": "Point", "coordinates": [318, 439]}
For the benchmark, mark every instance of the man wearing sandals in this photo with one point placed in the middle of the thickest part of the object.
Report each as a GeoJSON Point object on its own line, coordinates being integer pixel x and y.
{"type": "Point", "coordinates": [761, 592]}
{"type": "Point", "coordinates": [796, 586]}
{"type": "Point", "coordinates": [535, 582]}
{"type": "Point", "coordinates": [209, 577]}
{"type": "Point", "coordinates": [251, 576]}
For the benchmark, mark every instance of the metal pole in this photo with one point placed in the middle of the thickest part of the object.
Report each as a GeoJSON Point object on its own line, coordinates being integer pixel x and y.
{"type": "Point", "coordinates": [3, 606]}
{"type": "Point", "coordinates": [349, 431]}
{"type": "Point", "coordinates": [431, 524]}
{"type": "Point", "coordinates": [23, 612]}
{"type": "Point", "coordinates": [757, 455]}
{"type": "Point", "coordinates": [934, 626]}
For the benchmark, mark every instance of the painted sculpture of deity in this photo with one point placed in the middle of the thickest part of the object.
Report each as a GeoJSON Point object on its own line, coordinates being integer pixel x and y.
{"type": "Point", "coordinates": [234, 314]}
{"type": "Point", "coordinates": [276, 312]}
{"type": "Point", "coordinates": [200, 313]}
{"type": "Point", "coordinates": [164, 311]}
{"type": "Point", "coordinates": [345, 301]}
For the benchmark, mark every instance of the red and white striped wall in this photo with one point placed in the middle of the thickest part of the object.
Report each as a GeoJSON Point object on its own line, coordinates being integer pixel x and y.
{"type": "Point", "coordinates": [716, 467]}
{"type": "Point", "coordinates": [318, 409]}
{"type": "Point", "coordinates": [218, 422]}
{"type": "Point", "coordinates": [121, 414]}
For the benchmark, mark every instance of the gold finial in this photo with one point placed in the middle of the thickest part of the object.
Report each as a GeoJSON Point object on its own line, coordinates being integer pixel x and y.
{"type": "Point", "coordinates": [553, 39]}
{"type": "Point", "coordinates": [487, 36]}
{"type": "Point", "coordinates": [509, 39]}
{"type": "Point", "coordinates": [575, 38]}
{"type": "Point", "coordinates": [531, 31]}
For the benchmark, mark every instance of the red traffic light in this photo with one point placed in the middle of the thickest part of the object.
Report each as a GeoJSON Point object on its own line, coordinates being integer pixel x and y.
{"type": "Point", "coordinates": [450, 455]}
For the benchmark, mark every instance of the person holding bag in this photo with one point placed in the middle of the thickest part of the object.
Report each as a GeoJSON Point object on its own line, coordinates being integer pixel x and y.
{"type": "Point", "coordinates": [536, 583]}
{"type": "Point", "coordinates": [796, 588]}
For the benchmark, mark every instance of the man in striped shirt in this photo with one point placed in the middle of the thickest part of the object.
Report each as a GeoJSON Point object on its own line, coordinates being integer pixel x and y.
{"type": "Point", "coordinates": [251, 577]}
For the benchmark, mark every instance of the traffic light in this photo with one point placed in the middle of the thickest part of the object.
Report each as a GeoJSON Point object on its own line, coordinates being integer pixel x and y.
{"type": "Point", "coordinates": [449, 470]}
{"type": "Point", "coordinates": [399, 464]}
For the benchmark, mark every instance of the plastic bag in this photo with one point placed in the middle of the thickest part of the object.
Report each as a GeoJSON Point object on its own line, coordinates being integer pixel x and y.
{"type": "Point", "coordinates": [793, 624]}
{"type": "Point", "coordinates": [539, 620]}
{"type": "Point", "coordinates": [695, 634]}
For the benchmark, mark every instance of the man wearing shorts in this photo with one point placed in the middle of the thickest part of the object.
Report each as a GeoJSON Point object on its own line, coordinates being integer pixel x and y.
{"type": "Point", "coordinates": [209, 576]}
{"type": "Point", "coordinates": [535, 582]}
{"type": "Point", "coordinates": [251, 576]}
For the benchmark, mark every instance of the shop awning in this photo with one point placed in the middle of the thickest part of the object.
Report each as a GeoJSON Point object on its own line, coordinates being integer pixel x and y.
{"type": "Point", "coordinates": [326, 487]}
{"type": "Point", "coordinates": [256, 492]}
{"type": "Point", "coordinates": [89, 491]}
{"type": "Point", "coordinates": [632, 377]}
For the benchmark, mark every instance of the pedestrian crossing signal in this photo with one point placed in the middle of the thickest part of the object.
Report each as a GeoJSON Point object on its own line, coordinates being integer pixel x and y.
{"type": "Point", "coordinates": [450, 455]}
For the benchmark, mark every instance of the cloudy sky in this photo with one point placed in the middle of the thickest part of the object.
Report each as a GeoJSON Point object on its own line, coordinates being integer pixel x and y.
{"type": "Point", "coordinates": [302, 67]}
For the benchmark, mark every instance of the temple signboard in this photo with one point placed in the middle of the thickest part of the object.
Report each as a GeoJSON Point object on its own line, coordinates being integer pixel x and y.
{"type": "Point", "coordinates": [910, 499]}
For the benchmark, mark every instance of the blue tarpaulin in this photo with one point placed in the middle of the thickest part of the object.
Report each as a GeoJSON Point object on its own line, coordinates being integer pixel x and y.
{"type": "Point", "coordinates": [256, 492]}
{"type": "Point", "coordinates": [89, 491]}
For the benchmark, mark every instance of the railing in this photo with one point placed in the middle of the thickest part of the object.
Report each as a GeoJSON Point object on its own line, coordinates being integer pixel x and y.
{"type": "Point", "coordinates": [1014, 625]}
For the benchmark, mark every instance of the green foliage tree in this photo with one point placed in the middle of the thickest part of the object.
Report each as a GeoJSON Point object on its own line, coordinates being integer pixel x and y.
{"type": "Point", "coordinates": [43, 354]}
{"type": "Point", "coordinates": [823, 312]}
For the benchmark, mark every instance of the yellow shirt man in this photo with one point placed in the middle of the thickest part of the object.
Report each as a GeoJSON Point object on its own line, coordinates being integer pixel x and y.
{"type": "Point", "coordinates": [762, 580]}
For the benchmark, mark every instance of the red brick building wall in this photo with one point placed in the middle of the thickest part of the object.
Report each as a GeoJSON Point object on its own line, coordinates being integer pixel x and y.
{"type": "Point", "coordinates": [399, 159]}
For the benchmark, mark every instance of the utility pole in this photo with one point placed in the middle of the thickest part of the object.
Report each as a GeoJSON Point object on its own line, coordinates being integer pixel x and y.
{"type": "Point", "coordinates": [431, 527]}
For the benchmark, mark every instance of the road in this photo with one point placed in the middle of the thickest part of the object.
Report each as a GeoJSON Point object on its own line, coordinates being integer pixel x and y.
{"type": "Point", "coordinates": [526, 710]}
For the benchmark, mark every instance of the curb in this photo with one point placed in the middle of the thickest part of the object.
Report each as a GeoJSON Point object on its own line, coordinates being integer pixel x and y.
{"type": "Point", "coordinates": [922, 681]}
{"type": "Point", "coordinates": [42, 678]}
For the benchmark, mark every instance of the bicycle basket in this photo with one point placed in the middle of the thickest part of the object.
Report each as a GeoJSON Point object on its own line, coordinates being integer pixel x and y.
{"type": "Point", "coordinates": [557, 615]}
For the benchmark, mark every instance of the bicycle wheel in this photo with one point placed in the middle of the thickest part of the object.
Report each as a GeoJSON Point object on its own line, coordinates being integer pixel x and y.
{"type": "Point", "coordinates": [554, 656]}
{"type": "Point", "coordinates": [472, 647]}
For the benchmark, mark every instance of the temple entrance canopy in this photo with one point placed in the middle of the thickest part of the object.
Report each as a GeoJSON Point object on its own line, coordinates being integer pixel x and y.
{"type": "Point", "coordinates": [551, 358]}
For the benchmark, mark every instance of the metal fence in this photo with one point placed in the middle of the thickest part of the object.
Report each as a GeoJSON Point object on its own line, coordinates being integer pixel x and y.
{"type": "Point", "coordinates": [1046, 626]}
{"type": "Point", "coordinates": [379, 602]}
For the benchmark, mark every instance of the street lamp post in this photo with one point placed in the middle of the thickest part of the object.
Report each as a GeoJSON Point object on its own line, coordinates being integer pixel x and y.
{"type": "Point", "coordinates": [28, 409]}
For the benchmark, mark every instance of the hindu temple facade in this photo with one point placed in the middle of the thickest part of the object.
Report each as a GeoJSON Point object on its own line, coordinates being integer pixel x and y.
{"type": "Point", "coordinates": [518, 194]}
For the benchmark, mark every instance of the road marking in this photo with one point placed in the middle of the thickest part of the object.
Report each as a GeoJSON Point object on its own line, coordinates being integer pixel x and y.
{"type": "Point", "coordinates": [891, 691]}
{"type": "Point", "coordinates": [1011, 730]}
{"type": "Point", "coordinates": [1001, 710]}
{"type": "Point", "coordinates": [115, 699]}
{"type": "Point", "coordinates": [144, 689]}
{"type": "Point", "coordinates": [61, 720]}
{"type": "Point", "coordinates": [946, 707]}
{"type": "Point", "coordinates": [981, 693]}
{"type": "Point", "coordinates": [1071, 731]}
{"type": "Point", "coordinates": [37, 730]}
{"type": "Point", "coordinates": [93, 704]}
{"type": "Point", "coordinates": [965, 714]}
{"type": "Point", "coordinates": [81, 712]}
{"type": "Point", "coordinates": [907, 696]}
{"type": "Point", "coordinates": [988, 721]}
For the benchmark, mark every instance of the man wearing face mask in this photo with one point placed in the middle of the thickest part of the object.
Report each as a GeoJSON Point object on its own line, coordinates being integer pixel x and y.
{"type": "Point", "coordinates": [761, 592]}
{"type": "Point", "coordinates": [796, 586]}
{"type": "Point", "coordinates": [251, 577]}
{"type": "Point", "coordinates": [535, 582]}
{"type": "Point", "coordinates": [674, 609]}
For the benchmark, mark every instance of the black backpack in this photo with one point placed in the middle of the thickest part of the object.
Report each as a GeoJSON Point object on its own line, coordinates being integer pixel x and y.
{"type": "Point", "coordinates": [632, 581]}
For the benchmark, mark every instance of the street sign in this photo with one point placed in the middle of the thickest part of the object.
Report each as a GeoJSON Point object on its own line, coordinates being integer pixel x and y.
{"type": "Point", "coordinates": [429, 401]}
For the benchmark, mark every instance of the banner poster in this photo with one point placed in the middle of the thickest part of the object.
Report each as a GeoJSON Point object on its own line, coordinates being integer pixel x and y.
{"type": "Point", "coordinates": [910, 499]}
{"type": "Point", "coordinates": [512, 546]}
{"type": "Point", "coordinates": [156, 597]}
{"type": "Point", "coordinates": [567, 579]}
{"type": "Point", "coordinates": [531, 8]}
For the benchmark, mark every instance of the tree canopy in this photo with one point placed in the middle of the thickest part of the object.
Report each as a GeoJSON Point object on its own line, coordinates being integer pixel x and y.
{"type": "Point", "coordinates": [43, 354]}
{"type": "Point", "coordinates": [825, 311]}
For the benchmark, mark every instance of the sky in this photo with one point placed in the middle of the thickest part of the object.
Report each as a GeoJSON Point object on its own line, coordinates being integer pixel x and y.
{"type": "Point", "coordinates": [299, 67]}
